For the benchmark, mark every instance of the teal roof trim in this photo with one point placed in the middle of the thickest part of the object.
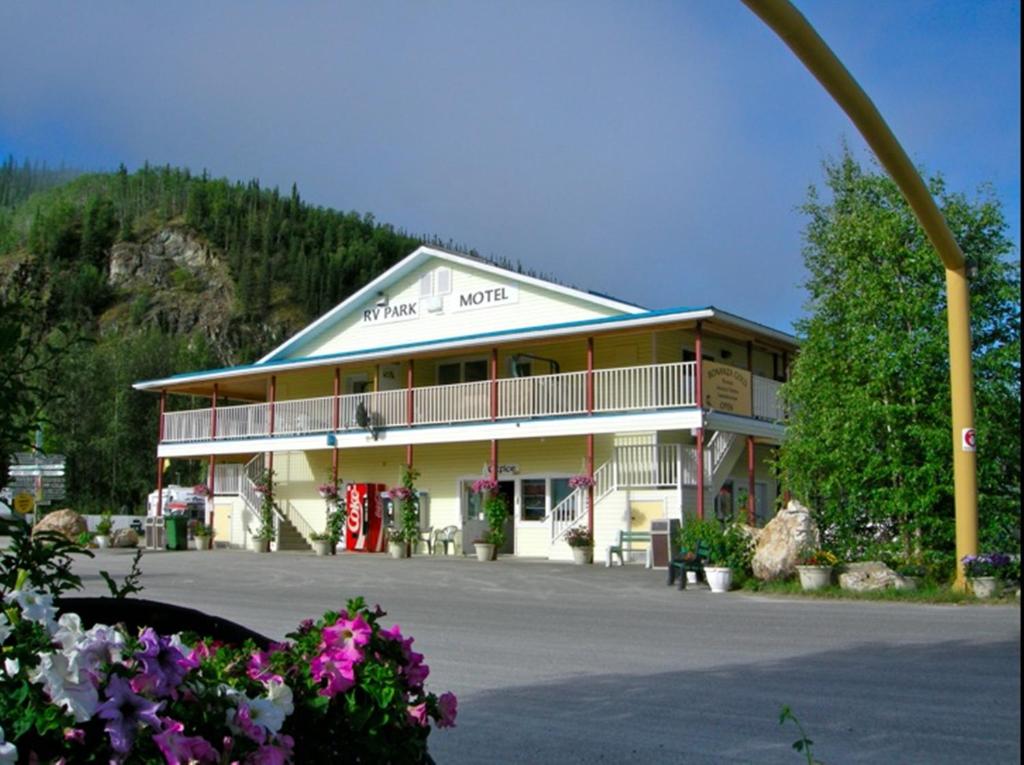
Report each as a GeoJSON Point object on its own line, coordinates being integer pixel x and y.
{"type": "Point", "coordinates": [270, 365]}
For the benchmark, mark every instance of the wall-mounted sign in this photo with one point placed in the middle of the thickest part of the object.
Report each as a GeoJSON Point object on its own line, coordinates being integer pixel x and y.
{"type": "Point", "coordinates": [24, 502]}
{"type": "Point", "coordinates": [727, 389]}
{"type": "Point", "coordinates": [387, 314]}
{"type": "Point", "coordinates": [503, 470]}
{"type": "Point", "coordinates": [487, 297]}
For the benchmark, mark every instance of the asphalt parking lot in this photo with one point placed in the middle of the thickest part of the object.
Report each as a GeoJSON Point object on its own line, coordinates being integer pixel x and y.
{"type": "Point", "coordinates": [558, 663]}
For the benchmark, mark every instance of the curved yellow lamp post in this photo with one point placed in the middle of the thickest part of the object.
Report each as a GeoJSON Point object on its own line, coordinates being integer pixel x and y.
{"type": "Point", "coordinates": [789, 24]}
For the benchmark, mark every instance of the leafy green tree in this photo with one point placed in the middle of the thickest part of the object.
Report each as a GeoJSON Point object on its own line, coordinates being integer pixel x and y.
{"type": "Point", "coordinates": [869, 443]}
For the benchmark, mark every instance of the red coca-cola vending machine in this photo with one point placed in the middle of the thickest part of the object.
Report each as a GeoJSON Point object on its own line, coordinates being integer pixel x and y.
{"type": "Point", "coordinates": [364, 526]}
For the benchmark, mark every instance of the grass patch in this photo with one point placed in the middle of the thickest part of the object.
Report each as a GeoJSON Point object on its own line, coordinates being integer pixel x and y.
{"type": "Point", "coordinates": [928, 593]}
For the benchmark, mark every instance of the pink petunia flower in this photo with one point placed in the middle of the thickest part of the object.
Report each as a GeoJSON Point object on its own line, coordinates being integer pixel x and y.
{"type": "Point", "coordinates": [335, 668]}
{"type": "Point", "coordinates": [418, 714]}
{"type": "Point", "coordinates": [448, 706]}
{"type": "Point", "coordinates": [183, 750]}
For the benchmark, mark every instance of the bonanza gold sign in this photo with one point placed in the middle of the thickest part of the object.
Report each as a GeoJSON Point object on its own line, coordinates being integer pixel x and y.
{"type": "Point", "coordinates": [727, 389]}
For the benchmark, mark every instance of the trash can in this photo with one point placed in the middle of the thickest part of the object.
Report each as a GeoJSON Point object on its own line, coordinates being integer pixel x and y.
{"type": "Point", "coordinates": [176, 531]}
{"type": "Point", "coordinates": [662, 534]}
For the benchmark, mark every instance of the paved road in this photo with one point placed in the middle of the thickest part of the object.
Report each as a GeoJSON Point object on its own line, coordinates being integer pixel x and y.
{"type": "Point", "coordinates": [560, 664]}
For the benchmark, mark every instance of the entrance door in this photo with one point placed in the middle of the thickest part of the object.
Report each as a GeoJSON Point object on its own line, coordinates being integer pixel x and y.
{"type": "Point", "coordinates": [474, 524]}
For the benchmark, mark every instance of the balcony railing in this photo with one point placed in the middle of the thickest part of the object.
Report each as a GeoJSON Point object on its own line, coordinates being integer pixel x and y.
{"type": "Point", "coordinates": [624, 389]}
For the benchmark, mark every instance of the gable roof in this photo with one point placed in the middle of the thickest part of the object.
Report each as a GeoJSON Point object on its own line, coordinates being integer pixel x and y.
{"type": "Point", "coordinates": [418, 257]}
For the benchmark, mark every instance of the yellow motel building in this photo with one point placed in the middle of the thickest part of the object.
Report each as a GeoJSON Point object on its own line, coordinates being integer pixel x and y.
{"type": "Point", "coordinates": [465, 370]}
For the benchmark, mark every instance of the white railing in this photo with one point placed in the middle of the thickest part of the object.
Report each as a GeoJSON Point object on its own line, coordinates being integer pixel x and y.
{"type": "Point", "coordinates": [716, 450]}
{"type": "Point", "coordinates": [227, 478]}
{"type": "Point", "coordinates": [647, 465]}
{"type": "Point", "coordinates": [659, 386]}
{"type": "Point", "coordinates": [193, 425]}
{"type": "Point", "coordinates": [604, 481]}
{"type": "Point", "coordinates": [542, 395]}
{"type": "Point", "coordinates": [656, 386]}
{"type": "Point", "coordinates": [767, 401]}
{"type": "Point", "coordinates": [307, 415]}
{"type": "Point", "coordinates": [247, 483]}
{"type": "Point", "coordinates": [439, 404]}
{"type": "Point", "coordinates": [243, 421]}
{"type": "Point", "coordinates": [567, 513]}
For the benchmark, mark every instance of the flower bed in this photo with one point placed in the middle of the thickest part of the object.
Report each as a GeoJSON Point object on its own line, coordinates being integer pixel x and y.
{"type": "Point", "coordinates": [122, 680]}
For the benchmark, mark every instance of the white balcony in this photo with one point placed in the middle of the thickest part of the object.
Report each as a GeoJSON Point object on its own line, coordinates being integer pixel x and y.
{"type": "Point", "coordinates": [620, 390]}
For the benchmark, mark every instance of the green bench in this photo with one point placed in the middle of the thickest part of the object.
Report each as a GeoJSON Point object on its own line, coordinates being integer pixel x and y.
{"type": "Point", "coordinates": [688, 560]}
{"type": "Point", "coordinates": [626, 540]}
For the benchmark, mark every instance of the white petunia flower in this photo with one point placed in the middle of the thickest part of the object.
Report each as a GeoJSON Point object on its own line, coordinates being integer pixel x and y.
{"type": "Point", "coordinates": [35, 606]}
{"type": "Point", "coordinates": [99, 645]}
{"type": "Point", "coordinates": [63, 686]}
{"type": "Point", "coordinates": [11, 667]}
{"type": "Point", "coordinates": [5, 628]}
{"type": "Point", "coordinates": [8, 752]}
{"type": "Point", "coordinates": [69, 630]}
{"type": "Point", "coordinates": [271, 710]}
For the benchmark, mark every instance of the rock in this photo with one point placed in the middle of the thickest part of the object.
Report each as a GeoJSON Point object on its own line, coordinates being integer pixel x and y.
{"type": "Point", "coordinates": [781, 541]}
{"type": "Point", "coordinates": [872, 575]}
{"type": "Point", "coordinates": [124, 538]}
{"type": "Point", "coordinates": [66, 522]}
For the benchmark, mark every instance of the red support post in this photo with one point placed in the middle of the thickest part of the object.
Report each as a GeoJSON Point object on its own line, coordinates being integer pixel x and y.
{"type": "Point", "coordinates": [270, 421]}
{"type": "Point", "coordinates": [494, 384]}
{"type": "Point", "coordinates": [336, 425]}
{"type": "Point", "coordinates": [211, 479]}
{"type": "Point", "coordinates": [159, 461]}
{"type": "Point", "coordinates": [751, 498]}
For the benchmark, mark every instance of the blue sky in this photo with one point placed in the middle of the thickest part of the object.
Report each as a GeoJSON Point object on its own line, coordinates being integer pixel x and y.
{"type": "Point", "coordinates": [657, 151]}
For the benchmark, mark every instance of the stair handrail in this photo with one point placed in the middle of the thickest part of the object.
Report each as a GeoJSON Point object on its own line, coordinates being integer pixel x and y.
{"type": "Point", "coordinates": [716, 451]}
{"type": "Point", "coordinates": [568, 513]}
{"type": "Point", "coordinates": [298, 520]}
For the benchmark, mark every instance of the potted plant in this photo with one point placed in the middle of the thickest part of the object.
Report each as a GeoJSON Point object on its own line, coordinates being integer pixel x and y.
{"type": "Point", "coordinates": [397, 545]}
{"type": "Point", "coordinates": [495, 513]}
{"type": "Point", "coordinates": [582, 543]}
{"type": "Point", "coordinates": [407, 527]}
{"type": "Point", "coordinates": [814, 566]}
{"type": "Point", "coordinates": [581, 481]}
{"type": "Point", "coordinates": [984, 573]}
{"type": "Point", "coordinates": [335, 526]}
{"type": "Point", "coordinates": [202, 536]}
{"type": "Point", "coordinates": [266, 532]}
{"type": "Point", "coordinates": [103, 529]}
{"type": "Point", "coordinates": [321, 541]}
{"type": "Point", "coordinates": [695, 535]}
{"type": "Point", "coordinates": [328, 491]}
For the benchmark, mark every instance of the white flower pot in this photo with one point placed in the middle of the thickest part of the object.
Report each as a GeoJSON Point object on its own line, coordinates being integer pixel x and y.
{"type": "Point", "coordinates": [102, 541]}
{"type": "Point", "coordinates": [985, 586]}
{"type": "Point", "coordinates": [396, 550]}
{"type": "Point", "coordinates": [581, 556]}
{"type": "Point", "coordinates": [814, 577]}
{"type": "Point", "coordinates": [261, 545]}
{"type": "Point", "coordinates": [201, 543]}
{"type": "Point", "coordinates": [322, 547]}
{"type": "Point", "coordinates": [484, 552]}
{"type": "Point", "coordinates": [719, 578]}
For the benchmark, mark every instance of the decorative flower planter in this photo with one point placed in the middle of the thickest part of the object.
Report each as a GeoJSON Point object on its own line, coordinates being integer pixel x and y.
{"type": "Point", "coordinates": [582, 556]}
{"type": "Point", "coordinates": [102, 541]}
{"type": "Point", "coordinates": [397, 550]}
{"type": "Point", "coordinates": [719, 578]}
{"type": "Point", "coordinates": [985, 586]}
{"type": "Point", "coordinates": [814, 577]}
{"type": "Point", "coordinates": [261, 545]}
{"type": "Point", "coordinates": [484, 552]}
{"type": "Point", "coordinates": [322, 547]}
{"type": "Point", "coordinates": [202, 543]}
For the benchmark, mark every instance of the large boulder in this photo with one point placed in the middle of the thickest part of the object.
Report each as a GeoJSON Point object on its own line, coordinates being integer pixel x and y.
{"type": "Point", "coordinates": [124, 538]}
{"type": "Point", "coordinates": [872, 575]}
{"type": "Point", "coordinates": [781, 541]}
{"type": "Point", "coordinates": [66, 522]}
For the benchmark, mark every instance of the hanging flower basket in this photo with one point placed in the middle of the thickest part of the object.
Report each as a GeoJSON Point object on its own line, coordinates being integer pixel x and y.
{"type": "Point", "coordinates": [581, 481]}
{"type": "Point", "coordinates": [327, 491]}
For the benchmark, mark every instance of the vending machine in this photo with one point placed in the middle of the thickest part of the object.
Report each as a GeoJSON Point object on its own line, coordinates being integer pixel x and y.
{"type": "Point", "coordinates": [364, 524]}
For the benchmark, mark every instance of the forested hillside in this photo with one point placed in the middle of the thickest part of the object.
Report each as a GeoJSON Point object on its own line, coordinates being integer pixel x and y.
{"type": "Point", "coordinates": [144, 274]}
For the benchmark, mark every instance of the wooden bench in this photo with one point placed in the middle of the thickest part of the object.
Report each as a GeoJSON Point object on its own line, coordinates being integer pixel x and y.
{"type": "Point", "coordinates": [626, 540]}
{"type": "Point", "coordinates": [687, 560]}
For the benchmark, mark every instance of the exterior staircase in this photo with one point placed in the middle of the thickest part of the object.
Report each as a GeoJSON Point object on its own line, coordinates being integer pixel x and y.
{"type": "Point", "coordinates": [289, 538]}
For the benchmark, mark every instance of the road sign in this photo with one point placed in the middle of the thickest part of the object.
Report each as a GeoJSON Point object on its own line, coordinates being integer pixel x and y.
{"type": "Point", "coordinates": [968, 440]}
{"type": "Point", "coordinates": [24, 502]}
